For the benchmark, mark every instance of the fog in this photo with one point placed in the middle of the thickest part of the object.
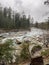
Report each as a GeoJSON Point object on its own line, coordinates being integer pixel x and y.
{"type": "Point", "coordinates": [35, 8]}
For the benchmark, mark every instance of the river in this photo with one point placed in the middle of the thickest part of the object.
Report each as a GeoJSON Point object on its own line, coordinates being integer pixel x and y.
{"type": "Point", "coordinates": [35, 32]}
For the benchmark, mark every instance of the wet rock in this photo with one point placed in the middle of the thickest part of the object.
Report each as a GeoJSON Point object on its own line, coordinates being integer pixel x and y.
{"type": "Point", "coordinates": [37, 61]}
{"type": "Point", "coordinates": [19, 43]}
{"type": "Point", "coordinates": [47, 64]}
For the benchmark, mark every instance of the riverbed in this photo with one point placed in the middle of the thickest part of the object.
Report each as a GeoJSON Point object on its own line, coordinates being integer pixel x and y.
{"type": "Point", "coordinates": [21, 35]}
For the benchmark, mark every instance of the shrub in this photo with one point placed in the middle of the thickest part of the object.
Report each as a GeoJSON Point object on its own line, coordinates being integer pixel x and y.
{"type": "Point", "coordinates": [45, 53]}
{"type": "Point", "coordinates": [25, 55]}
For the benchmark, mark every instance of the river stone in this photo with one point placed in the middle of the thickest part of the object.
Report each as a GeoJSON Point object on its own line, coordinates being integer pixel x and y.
{"type": "Point", "coordinates": [37, 61]}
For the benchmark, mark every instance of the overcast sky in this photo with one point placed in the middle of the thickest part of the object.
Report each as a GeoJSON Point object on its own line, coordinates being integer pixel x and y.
{"type": "Point", "coordinates": [35, 8]}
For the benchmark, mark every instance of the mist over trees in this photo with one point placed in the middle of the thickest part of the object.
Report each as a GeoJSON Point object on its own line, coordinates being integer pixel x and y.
{"type": "Point", "coordinates": [12, 20]}
{"type": "Point", "coordinates": [46, 2]}
{"type": "Point", "coordinates": [42, 25]}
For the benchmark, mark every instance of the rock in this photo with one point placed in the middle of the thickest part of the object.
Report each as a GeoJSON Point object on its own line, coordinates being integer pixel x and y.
{"type": "Point", "coordinates": [37, 61]}
{"type": "Point", "coordinates": [18, 42]}
{"type": "Point", "coordinates": [47, 64]}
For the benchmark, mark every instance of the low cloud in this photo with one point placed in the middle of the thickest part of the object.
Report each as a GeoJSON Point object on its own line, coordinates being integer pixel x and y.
{"type": "Point", "coordinates": [35, 8]}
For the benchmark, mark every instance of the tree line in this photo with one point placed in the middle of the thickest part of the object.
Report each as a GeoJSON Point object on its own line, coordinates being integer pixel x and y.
{"type": "Point", "coordinates": [42, 25]}
{"type": "Point", "coordinates": [11, 20]}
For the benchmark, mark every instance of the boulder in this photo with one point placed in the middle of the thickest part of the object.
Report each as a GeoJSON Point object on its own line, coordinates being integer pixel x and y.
{"type": "Point", "coordinates": [37, 61]}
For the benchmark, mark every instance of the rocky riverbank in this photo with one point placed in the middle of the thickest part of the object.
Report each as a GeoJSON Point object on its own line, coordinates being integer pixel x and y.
{"type": "Point", "coordinates": [35, 38]}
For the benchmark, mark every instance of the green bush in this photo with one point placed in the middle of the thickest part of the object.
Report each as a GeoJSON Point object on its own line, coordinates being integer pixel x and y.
{"type": "Point", "coordinates": [6, 50]}
{"type": "Point", "coordinates": [45, 53]}
{"type": "Point", "coordinates": [25, 55]}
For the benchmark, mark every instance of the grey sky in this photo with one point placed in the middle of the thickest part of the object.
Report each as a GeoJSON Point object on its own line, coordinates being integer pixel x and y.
{"type": "Point", "coordinates": [35, 8]}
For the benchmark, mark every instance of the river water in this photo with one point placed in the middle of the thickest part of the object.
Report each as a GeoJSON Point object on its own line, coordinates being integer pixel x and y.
{"type": "Point", "coordinates": [35, 32]}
